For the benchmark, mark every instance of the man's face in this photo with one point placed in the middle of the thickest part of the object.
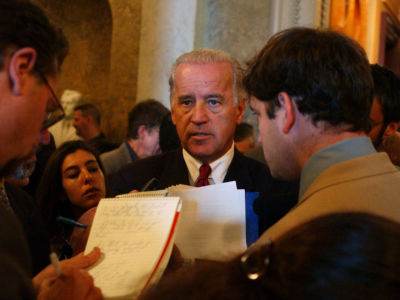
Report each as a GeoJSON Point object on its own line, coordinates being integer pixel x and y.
{"type": "Point", "coordinates": [24, 120]}
{"type": "Point", "coordinates": [80, 123]}
{"type": "Point", "coordinates": [203, 109]}
{"type": "Point", "coordinates": [245, 145]}
{"type": "Point", "coordinates": [151, 141]}
{"type": "Point", "coordinates": [377, 118]}
{"type": "Point", "coordinates": [276, 149]}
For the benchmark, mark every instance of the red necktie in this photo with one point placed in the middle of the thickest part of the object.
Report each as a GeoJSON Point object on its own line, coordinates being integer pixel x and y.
{"type": "Point", "coordinates": [205, 171]}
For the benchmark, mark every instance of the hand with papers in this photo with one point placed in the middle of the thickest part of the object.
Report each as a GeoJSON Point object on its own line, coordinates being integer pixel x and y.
{"type": "Point", "coordinates": [212, 224]}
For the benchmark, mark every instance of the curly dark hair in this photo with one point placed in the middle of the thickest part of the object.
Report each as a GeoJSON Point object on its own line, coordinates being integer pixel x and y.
{"type": "Point", "coordinates": [50, 194]}
{"type": "Point", "coordinates": [326, 73]}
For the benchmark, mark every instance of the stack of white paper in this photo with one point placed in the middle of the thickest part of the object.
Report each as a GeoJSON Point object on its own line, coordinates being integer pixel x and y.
{"type": "Point", "coordinates": [212, 224]}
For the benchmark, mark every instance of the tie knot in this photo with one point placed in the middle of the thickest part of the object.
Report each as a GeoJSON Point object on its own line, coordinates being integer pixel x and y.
{"type": "Point", "coordinates": [205, 171]}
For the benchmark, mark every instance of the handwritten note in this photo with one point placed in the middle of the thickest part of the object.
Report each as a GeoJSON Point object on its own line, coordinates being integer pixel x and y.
{"type": "Point", "coordinates": [131, 233]}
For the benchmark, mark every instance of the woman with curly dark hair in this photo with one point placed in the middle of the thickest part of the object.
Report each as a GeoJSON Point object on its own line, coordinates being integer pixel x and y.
{"type": "Point", "coordinates": [72, 183]}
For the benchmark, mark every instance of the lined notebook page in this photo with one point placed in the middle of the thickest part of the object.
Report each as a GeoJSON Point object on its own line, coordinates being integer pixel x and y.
{"type": "Point", "coordinates": [131, 233]}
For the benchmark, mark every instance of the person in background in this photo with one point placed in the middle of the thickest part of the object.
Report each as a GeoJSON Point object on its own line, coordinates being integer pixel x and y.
{"type": "Point", "coordinates": [72, 183]}
{"type": "Point", "coordinates": [385, 113]}
{"type": "Point", "coordinates": [144, 121]}
{"type": "Point", "coordinates": [87, 124]}
{"type": "Point", "coordinates": [42, 156]}
{"type": "Point", "coordinates": [341, 256]}
{"type": "Point", "coordinates": [245, 137]}
{"type": "Point", "coordinates": [169, 139]}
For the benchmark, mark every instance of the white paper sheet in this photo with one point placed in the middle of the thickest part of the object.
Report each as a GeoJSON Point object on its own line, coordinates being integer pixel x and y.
{"type": "Point", "coordinates": [212, 224]}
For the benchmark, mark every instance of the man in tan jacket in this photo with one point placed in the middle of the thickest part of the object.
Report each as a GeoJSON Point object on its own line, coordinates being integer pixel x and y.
{"type": "Point", "coordinates": [312, 92]}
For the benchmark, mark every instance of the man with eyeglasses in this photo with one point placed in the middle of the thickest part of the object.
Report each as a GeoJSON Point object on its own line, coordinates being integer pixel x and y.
{"type": "Point", "coordinates": [31, 53]}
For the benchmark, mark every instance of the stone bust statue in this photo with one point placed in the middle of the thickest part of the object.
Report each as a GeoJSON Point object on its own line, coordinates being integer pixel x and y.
{"type": "Point", "coordinates": [63, 131]}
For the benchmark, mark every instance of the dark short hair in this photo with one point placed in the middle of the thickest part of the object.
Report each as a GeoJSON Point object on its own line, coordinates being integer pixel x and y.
{"type": "Point", "coordinates": [326, 73]}
{"type": "Point", "coordinates": [337, 256]}
{"type": "Point", "coordinates": [243, 131]}
{"type": "Point", "coordinates": [89, 109]}
{"type": "Point", "coordinates": [169, 139]}
{"type": "Point", "coordinates": [387, 92]}
{"type": "Point", "coordinates": [149, 113]}
{"type": "Point", "coordinates": [50, 194]}
{"type": "Point", "coordinates": [24, 24]}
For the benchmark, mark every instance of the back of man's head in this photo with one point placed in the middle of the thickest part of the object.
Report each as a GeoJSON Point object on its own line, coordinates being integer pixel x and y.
{"type": "Point", "coordinates": [148, 113]}
{"type": "Point", "coordinates": [387, 92]}
{"type": "Point", "coordinates": [91, 110]}
{"type": "Point", "coordinates": [326, 73]}
{"type": "Point", "coordinates": [245, 137]}
{"type": "Point", "coordinates": [210, 56]}
{"type": "Point", "coordinates": [24, 25]}
{"type": "Point", "coordinates": [244, 131]}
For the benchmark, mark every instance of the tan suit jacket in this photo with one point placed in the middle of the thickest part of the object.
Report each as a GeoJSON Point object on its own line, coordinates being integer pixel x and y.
{"type": "Point", "coordinates": [369, 184]}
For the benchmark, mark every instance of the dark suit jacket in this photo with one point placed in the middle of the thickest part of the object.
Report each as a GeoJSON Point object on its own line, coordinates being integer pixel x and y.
{"type": "Point", "coordinates": [29, 215]}
{"type": "Point", "coordinates": [170, 169]}
{"type": "Point", "coordinates": [15, 264]}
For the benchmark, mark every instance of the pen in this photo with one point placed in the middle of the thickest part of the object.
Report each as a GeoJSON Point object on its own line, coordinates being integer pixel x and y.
{"type": "Point", "coordinates": [70, 222]}
{"type": "Point", "coordinates": [151, 185]}
{"type": "Point", "coordinates": [55, 262]}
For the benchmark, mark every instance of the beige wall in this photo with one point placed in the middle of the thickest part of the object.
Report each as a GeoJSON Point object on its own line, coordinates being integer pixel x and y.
{"type": "Point", "coordinates": [103, 59]}
{"type": "Point", "coordinates": [106, 42]}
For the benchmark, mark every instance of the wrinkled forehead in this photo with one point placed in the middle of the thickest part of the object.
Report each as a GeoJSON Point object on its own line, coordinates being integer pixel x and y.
{"type": "Point", "coordinates": [203, 76]}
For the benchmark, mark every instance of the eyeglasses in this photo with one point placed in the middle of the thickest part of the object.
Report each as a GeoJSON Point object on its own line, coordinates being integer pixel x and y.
{"type": "Point", "coordinates": [55, 111]}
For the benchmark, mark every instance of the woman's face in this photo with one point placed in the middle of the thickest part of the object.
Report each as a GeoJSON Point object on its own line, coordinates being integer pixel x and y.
{"type": "Point", "coordinates": [82, 180]}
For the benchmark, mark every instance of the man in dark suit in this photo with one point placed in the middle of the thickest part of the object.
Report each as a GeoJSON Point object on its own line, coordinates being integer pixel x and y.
{"type": "Point", "coordinates": [144, 121]}
{"type": "Point", "coordinates": [207, 102]}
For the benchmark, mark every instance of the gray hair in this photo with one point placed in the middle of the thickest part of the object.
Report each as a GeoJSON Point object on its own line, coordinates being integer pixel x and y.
{"type": "Point", "coordinates": [205, 57]}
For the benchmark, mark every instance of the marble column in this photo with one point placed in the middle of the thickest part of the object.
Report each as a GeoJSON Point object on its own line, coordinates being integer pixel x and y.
{"type": "Point", "coordinates": [167, 31]}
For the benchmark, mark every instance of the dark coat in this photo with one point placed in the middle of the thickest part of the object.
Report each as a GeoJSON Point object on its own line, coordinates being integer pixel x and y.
{"type": "Point", "coordinates": [30, 218]}
{"type": "Point", "coordinates": [15, 264]}
{"type": "Point", "coordinates": [170, 169]}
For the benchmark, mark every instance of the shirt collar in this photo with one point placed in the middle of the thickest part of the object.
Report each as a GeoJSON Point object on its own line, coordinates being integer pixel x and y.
{"type": "Point", "coordinates": [331, 155]}
{"type": "Point", "coordinates": [131, 152]}
{"type": "Point", "coordinates": [219, 167]}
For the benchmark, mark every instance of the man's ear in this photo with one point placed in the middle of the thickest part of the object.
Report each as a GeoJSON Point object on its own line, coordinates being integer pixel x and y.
{"type": "Point", "coordinates": [240, 108]}
{"type": "Point", "coordinates": [21, 64]}
{"type": "Point", "coordinates": [391, 129]}
{"type": "Point", "coordinates": [173, 114]}
{"type": "Point", "coordinates": [290, 111]}
{"type": "Point", "coordinates": [141, 132]}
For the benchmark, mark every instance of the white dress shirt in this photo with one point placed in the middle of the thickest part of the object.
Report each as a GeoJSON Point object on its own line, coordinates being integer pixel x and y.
{"type": "Point", "coordinates": [219, 167]}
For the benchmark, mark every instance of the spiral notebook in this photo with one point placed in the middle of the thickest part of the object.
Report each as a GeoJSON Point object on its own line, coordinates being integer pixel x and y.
{"type": "Point", "coordinates": [135, 236]}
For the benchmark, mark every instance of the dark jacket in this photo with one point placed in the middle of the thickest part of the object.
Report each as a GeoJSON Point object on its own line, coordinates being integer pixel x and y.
{"type": "Point", "coordinates": [170, 169]}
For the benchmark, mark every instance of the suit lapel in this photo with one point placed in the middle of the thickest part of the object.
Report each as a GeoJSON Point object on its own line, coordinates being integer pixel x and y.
{"type": "Point", "coordinates": [238, 171]}
{"type": "Point", "coordinates": [175, 170]}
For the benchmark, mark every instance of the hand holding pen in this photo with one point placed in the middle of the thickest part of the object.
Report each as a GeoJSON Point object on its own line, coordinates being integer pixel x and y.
{"type": "Point", "coordinates": [73, 282]}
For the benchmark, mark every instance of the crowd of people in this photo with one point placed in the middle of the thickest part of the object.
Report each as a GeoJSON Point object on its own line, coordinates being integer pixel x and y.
{"type": "Point", "coordinates": [325, 170]}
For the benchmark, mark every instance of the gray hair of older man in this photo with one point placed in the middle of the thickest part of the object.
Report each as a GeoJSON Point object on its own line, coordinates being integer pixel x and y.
{"type": "Point", "coordinates": [206, 57]}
